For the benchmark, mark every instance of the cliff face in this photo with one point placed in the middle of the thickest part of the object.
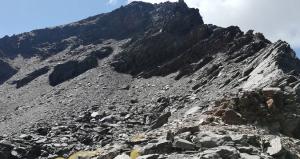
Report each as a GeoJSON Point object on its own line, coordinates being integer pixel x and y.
{"type": "Point", "coordinates": [152, 78]}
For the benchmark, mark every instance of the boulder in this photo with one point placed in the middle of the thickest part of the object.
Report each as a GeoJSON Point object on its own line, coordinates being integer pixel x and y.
{"type": "Point", "coordinates": [269, 91]}
{"type": "Point", "coordinates": [95, 114]}
{"type": "Point", "coordinates": [183, 144]}
{"type": "Point", "coordinates": [102, 53]}
{"type": "Point", "coordinates": [5, 151]}
{"type": "Point", "coordinates": [71, 69]}
{"type": "Point", "coordinates": [221, 152]}
{"type": "Point", "coordinates": [25, 136]}
{"type": "Point", "coordinates": [291, 127]}
{"type": "Point", "coordinates": [275, 148]}
{"type": "Point", "coordinates": [152, 156]}
{"type": "Point", "coordinates": [210, 139]}
{"type": "Point", "coordinates": [161, 120]}
{"type": "Point", "coordinates": [109, 118]}
{"type": "Point", "coordinates": [246, 139]}
{"type": "Point", "coordinates": [192, 111]}
{"type": "Point", "coordinates": [43, 130]}
{"type": "Point", "coordinates": [111, 152]}
{"type": "Point", "coordinates": [123, 156]}
{"type": "Point", "coordinates": [31, 76]}
{"type": "Point", "coordinates": [247, 156]}
{"type": "Point", "coordinates": [232, 117]}
{"type": "Point", "coordinates": [189, 128]}
{"type": "Point", "coordinates": [161, 147]}
{"type": "Point", "coordinates": [248, 149]}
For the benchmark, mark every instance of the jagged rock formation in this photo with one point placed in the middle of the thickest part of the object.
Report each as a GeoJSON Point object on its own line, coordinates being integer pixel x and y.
{"type": "Point", "coordinates": [71, 69]}
{"type": "Point", "coordinates": [148, 80]}
{"type": "Point", "coordinates": [30, 77]}
{"type": "Point", "coordinates": [6, 71]}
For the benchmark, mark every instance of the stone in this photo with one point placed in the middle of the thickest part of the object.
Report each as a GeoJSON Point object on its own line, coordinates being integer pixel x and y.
{"type": "Point", "coordinates": [178, 156]}
{"type": "Point", "coordinates": [210, 139]}
{"type": "Point", "coordinates": [247, 71]}
{"type": "Point", "coordinates": [43, 131]}
{"type": "Point", "coordinates": [5, 151]}
{"type": "Point", "coordinates": [161, 50]}
{"type": "Point", "coordinates": [247, 156]}
{"type": "Point", "coordinates": [246, 139]}
{"type": "Point", "coordinates": [85, 118]}
{"type": "Point", "coordinates": [109, 118]}
{"type": "Point", "coordinates": [210, 156]}
{"type": "Point", "coordinates": [111, 152]}
{"type": "Point", "coordinates": [34, 151]}
{"type": "Point", "coordinates": [270, 103]}
{"type": "Point", "coordinates": [268, 91]}
{"type": "Point", "coordinates": [161, 147]}
{"type": "Point", "coordinates": [291, 127]}
{"type": "Point", "coordinates": [87, 154]}
{"type": "Point", "coordinates": [95, 114]}
{"type": "Point", "coordinates": [15, 154]}
{"type": "Point", "coordinates": [152, 156]}
{"type": "Point", "coordinates": [246, 149]}
{"type": "Point", "coordinates": [195, 87]}
{"type": "Point", "coordinates": [296, 89]}
{"type": "Point", "coordinates": [125, 87]}
{"type": "Point", "coordinates": [191, 129]}
{"type": "Point", "coordinates": [192, 111]}
{"type": "Point", "coordinates": [138, 139]}
{"type": "Point", "coordinates": [161, 120]}
{"type": "Point", "coordinates": [232, 117]}
{"type": "Point", "coordinates": [41, 141]}
{"type": "Point", "coordinates": [170, 136]}
{"type": "Point", "coordinates": [102, 53]}
{"type": "Point", "coordinates": [204, 120]}
{"type": "Point", "coordinates": [25, 137]}
{"type": "Point", "coordinates": [275, 148]}
{"type": "Point", "coordinates": [123, 156]}
{"type": "Point", "coordinates": [20, 151]}
{"type": "Point", "coordinates": [221, 152]}
{"type": "Point", "coordinates": [271, 92]}
{"type": "Point", "coordinates": [183, 144]}
{"type": "Point", "coordinates": [134, 101]}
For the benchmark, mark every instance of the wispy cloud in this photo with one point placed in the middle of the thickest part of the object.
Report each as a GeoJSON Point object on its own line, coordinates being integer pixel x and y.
{"type": "Point", "coordinates": [277, 19]}
{"type": "Point", "coordinates": [112, 2]}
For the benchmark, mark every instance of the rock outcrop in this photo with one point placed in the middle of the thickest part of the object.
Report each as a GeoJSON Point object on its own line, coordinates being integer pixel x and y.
{"type": "Point", "coordinates": [71, 69]}
{"type": "Point", "coordinates": [148, 81]}
{"type": "Point", "coordinates": [30, 77]}
{"type": "Point", "coordinates": [6, 71]}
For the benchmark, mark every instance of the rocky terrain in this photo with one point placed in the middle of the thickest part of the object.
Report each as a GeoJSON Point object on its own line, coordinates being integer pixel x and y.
{"type": "Point", "coordinates": [148, 81]}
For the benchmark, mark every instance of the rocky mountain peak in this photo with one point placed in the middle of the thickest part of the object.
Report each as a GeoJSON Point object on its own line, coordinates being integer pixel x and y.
{"type": "Point", "coordinates": [129, 21]}
{"type": "Point", "coordinates": [148, 81]}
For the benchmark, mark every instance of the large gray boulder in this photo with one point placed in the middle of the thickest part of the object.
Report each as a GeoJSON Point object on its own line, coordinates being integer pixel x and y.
{"type": "Point", "coordinates": [221, 152]}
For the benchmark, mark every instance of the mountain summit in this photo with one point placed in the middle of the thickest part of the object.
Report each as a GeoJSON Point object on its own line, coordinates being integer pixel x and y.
{"type": "Point", "coordinates": [148, 80]}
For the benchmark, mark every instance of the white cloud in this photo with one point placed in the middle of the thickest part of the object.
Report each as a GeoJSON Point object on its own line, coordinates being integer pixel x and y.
{"type": "Point", "coordinates": [277, 19]}
{"type": "Point", "coordinates": [112, 2]}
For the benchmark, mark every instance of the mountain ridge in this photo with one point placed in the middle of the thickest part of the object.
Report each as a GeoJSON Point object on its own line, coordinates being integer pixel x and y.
{"type": "Point", "coordinates": [148, 78]}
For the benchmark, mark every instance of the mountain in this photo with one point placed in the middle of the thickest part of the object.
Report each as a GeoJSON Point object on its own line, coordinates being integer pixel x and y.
{"type": "Point", "coordinates": [148, 80]}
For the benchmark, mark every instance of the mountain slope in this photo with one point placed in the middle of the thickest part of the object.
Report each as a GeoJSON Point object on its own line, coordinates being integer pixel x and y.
{"type": "Point", "coordinates": [148, 77]}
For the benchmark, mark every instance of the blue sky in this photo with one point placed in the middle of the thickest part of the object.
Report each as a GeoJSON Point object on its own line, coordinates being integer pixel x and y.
{"type": "Point", "coordinates": [17, 16]}
{"type": "Point", "coordinates": [297, 51]}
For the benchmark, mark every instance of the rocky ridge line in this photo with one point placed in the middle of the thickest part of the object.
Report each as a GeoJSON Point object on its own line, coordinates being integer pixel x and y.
{"type": "Point", "coordinates": [148, 81]}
